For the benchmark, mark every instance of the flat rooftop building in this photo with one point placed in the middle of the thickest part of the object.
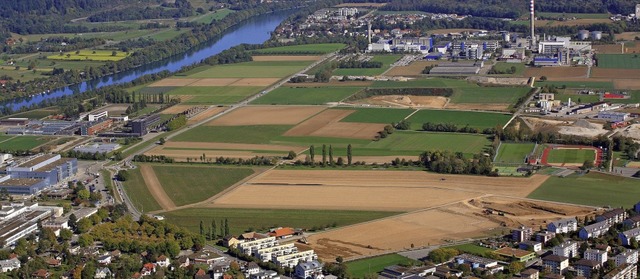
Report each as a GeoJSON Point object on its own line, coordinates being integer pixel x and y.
{"type": "Point", "coordinates": [37, 173]}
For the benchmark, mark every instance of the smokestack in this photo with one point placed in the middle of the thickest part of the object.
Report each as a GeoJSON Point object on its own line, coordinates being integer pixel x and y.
{"type": "Point", "coordinates": [533, 36]}
{"type": "Point", "coordinates": [369, 31]}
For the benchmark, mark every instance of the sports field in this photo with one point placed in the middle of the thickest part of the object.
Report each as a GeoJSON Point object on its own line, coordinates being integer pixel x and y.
{"type": "Point", "coordinates": [377, 115]}
{"type": "Point", "coordinates": [214, 95]}
{"type": "Point", "coordinates": [91, 55]}
{"type": "Point", "coordinates": [514, 152]}
{"type": "Point", "coordinates": [372, 266]}
{"type": "Point", "coordinates": [301, 49]}
{"type": "Point", "coordinates": [139, 193]}
{"type": "Point", "coordinates": [242, 220]}
{"type": "Point", "coordinates": [187, 185]}
{"type": "Point", "coordinates": [619, 61]}
{"type": "Point", "coordinates": [479, 120]}
{"type": "Point", "coordinates": [306, 95]}
{"type": "Point", "coordinates": [570, 156]}
{"type": "Point", "coordinates": [386, 63]}
{"type": "Point", "coordinates": [594, 188]}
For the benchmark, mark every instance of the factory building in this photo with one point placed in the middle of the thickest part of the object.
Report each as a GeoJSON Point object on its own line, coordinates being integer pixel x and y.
{"type": "Point", "coordinates": [142, 126]}
{"type": "Point", "coordinates": [19, 219]}
{"type": "Point", "coordinates": [97, 116]}
{"type": "Point", "coordinates": [92, 128]}
{"type": "Point", "coordinates": [37, 173]}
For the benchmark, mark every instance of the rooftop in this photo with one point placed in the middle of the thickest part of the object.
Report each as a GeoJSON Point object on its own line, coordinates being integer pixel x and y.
{"type": "Point", "coordinates": [20, 182]}
{"type": "Point", "coordinates": [475, 259]}
{"type": "Point", "coordinates": [512, 252]}
{"type": "Point", "coordinates": [54, 164]}
{"type": "Point", "coordinates": [555, 258]}
{"type": "Point", "coordinates": [37, 160]}
{"type": "Point", "coordinates": [589, 263]}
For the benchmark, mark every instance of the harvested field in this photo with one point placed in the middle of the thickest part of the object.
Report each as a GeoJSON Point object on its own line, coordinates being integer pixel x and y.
{"type": "Point", "coordinates": [322, 119]}
{"type": "Point", "coordinates": [326, 124]}
{"type": "Point", "coordinates": [608, 49]}
{"type": "Point", "coordinates": [630, 84]}
{"type": "Point", "coordinates": [413, 69]}
{"type": "Point", "coordinates": [232, 146]}
{"type": "Point", "coordinates": [174, 82]}
{"type": "Point", "coordinates": [615, 73]}
{"type": "Point", "coordinates": [205, 114]}
{"type": "Point", "coordinates": [181, 155]}
{"type": "Point", "coordinates": [214, 82]}
{"type": "Point", "coordinates": [266, 115]}
{"type": "Point", "coordinates": [556, 73]}
{"type": "Point", "coordinates": [437, 225]}
{"type": "Point", "coordinates": [332, 83]}
{"type": "Point", "coordinates": [487, 107]}
{"type": "Point", "coordinates": [285, 57]}
{"type": "Point", "coordinates": [176, 109]}
{"type": "Point", "coordinates": [255, 82]}
{"type": "Point", "coordinates": [155, 188]}
{"type": "Point", "coordinates": [627, 36]}
{"type": "Point", "coordinates": [406, 101]}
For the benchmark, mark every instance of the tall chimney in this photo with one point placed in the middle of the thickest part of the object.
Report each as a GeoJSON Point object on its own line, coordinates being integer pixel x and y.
{"type": "Point", "coordinates": [369, 31]}
{"type": "Point", "coordinates": [533, 36]}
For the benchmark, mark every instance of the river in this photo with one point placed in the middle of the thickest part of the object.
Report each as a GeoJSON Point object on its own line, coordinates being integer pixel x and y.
{"type": "Point", "coordinates": [252, 31]}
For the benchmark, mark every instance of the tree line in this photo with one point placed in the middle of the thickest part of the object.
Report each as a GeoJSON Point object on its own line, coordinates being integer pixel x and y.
{"type": "Point", "coordinates": [358, 64]}
{"type": "Point", "coordinates": [370, 92]}
{"type": "Point", "coordinates": [178, 9]}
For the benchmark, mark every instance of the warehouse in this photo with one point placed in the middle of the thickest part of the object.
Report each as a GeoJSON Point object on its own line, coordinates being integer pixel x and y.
{"type": "Point", "coordinates": [37, 173]}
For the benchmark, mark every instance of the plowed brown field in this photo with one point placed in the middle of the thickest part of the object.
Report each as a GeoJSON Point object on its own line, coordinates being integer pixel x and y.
{"type": "Point", "coordinates": [255, 82]}
{"type": "Point", "coordinates": [267, 115]}
{"type": "Point", "coordinates": [555, 73]}
{"type": "Point", "coordinates": [326, 124]}
{"type": "Point", "coordinates": [615, 73]}
{"type": "Point", "coordinates": [214, 82]}
{"type": "Point", "coordinates": [176, 109]}
{"type": "Point", "coordinates": [205, 114]}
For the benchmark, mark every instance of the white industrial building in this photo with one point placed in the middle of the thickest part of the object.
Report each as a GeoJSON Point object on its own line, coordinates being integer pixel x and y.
{"type": "Point", "coordinates": [613, 116]}
{"type": "Point", "coordinates": [97, 116]}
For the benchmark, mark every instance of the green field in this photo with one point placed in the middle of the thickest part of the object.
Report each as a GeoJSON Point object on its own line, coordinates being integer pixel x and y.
{"type": "Point", "coordinates": [214, 94]}
{"type": "Point", "coordinates": [259, 69]}
{"type": "Point", "coordinates": [138, 193]}
{"type": "Point", "coordinates": [386, 63]}
{"type": "Point", "coordinates": [424, 141]}
{"type": "Point", "coordinates": [594, 189]}
{"type": "Point", "coordinates": [488, 95]}
{"type": "Point", "coordinates": [301, 49]}
{"type": "Point", "coordinates": [306, 96]}
{"type": "Point", "coordinates": [372, 266]}
{"type": "Point", "coordinates": [571, 156]}
{"type": "Point", "coordinates": [35, 114]}
{"type": "Point", "coordinates": [21, 143]}
{"type": "Point", "coordinates": [471, 249]}
{"type": "Point", "coordinates": [90, 55]}
{"type": "Point", "coordinates": [377, 115]}
{"type": "Point", "coordinates": [514, 152]}
{"type": "Point", "coordinates": [233, 134]}
{"type": "Point", "coordinates": [577, 84]}
{"type": "Point", "coordinates": [570, 15]}
{"type": "Point", "coordinates": [187, 185]}
{"type": "Point", "coordinates": [619, 61]}
{"type": "Point", "coordinates": [217, 15]}
{"type": "Point", "coordinates": [504, 67]}
{"type": "Point", "coordinates": [426, 83]}
{"type": "Point", "coordinates": [241, 220]}
{"type": "Point", "coordinates": [579, 98]}
{"type": "Point", "coordinates": [479, 120]}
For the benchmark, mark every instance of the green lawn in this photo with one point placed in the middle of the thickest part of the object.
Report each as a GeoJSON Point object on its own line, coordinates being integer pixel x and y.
{"type": "Point", "coordinates": [166, 34]}
{"type": "Point", "coordinates": [619, 61]}
{"type": "Point", "coordinates": [386, 63]}
{"type": "Point", "coordinates": [34, 114]}
{"type": "Point", "coordinates": [372, 266]}
{"type": "Point", "coordinates": [138, 193]}
{"type": "Point", "coordinates": [301, 49]}
{"type": "Point", "coordinates": [306, 96]}
{"type": "Point", "coordinates": [416, 142]}
{"type": "Point", "coordinates": [215, 94]}
{"type": "Point", "coordinates": [23, 143]}
{"type": "Point", "coordinates": [471, 249]}
{"type": "Point", "coordinates": [90, 55]}
{"type": "Point", "coordinates": [377, 115]}
{"type": "Point", "coordinates": [489, 95]}
{"type": "Point", "coordinates": [241, 220]}
{"type": "Point", "coordinates": [187, 185]}
{"type": "Point", "coordinates": [595, 189]}
{"type": "Point", "coordinates": [480, 120]}
{"type": "Point", "coordinates": [233, 134]}
{"type": "Point", "coordinates": [579, 98]}
{"type": "Point", "coordinates": [571, 156]}
{"type": "Point", "coordinates": [217, 15]}
{"type": "Point", "coordinates": [578, 84]}
{"type": "Point", "coordinates": [504, 67]}
{"type": "Point", "coordinates": [514, 152]}
{"type": "Point", "coordinates": [258, 69]}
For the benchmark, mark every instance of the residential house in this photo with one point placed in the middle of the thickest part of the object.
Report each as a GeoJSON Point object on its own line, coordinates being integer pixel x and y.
{"type": "Point", "coordinates": [250, 236]}
{"type": "Point", "coordinates": [636, 207]}
{"type": "Point", "coordinates": [516, 254]}
{"type": "Point", "coordinates": [104, 259]}
{"type": "Point", "coordinates": [115, 253]}
{"type": "Point", "coordinates": [251, 268]}
{"type": "Point", "coordinates": [632, 222]}
{"type": "Point", "coordinates": [521, 234]}
{"type": "Point", "coordinates": [281, 233]}
{"type": "Point", "coordinates": [397, 272]}
{"type": "Point", "coordinates": [249, 247]}
{"type": "Point", "coordinates": [51, 262]}
{"type": "Point", "coordinates": [148, 269]}
{"type": "Point", "coordinates": [567, 249]}
{"type": "Point", "coordinates": [479, 262]}
{"type": "Point", "coordinates": [603, 247]}
{"type": "Point", "coordinates": [627, 236]}
{"type": "Point", "coordinates": [593, 230]}
{"type": "Point", "coordinates": [545, 236]}
{"type": "Point", "coordinates": [585, 267]}
{"type": "Point", "coordinates": [230, 241]}
{"type": "Point", "coordinates": [206, 257]}
{"type": "Point", "coordinates": [627, 257]}
{"type": "Point", "coordinates": [201, 274]}
{"type": "Point", "coordinates": [596, 255]}
{"type": "Point", "coordinates": [553, 276]}
{"type": "Point", "coordinates": [269, 253]}
{"type": "Point", "coordinates": [291, 260]}
{"type": "Point", "coordinates": [530, 274]}
{"type": "Point", "coordinates": [612, 217]}
{"type": "Point", "coordinates": [555, 264]}
{"type": "Point", "coordinates": [267, 274]}
{"type": "Point", "coordinates": [102, 273]}
{"type": "Point", "coordinates": [217, 273]}
{"type": "Point", "coordinates": [163, 261]}
{"type": "Point", "coordinates": [9, 265]}
{"type": "Point", "coordinates": [41, 273]}
{"type": "Point", "coordinates": [530, 245]}
{"type": "Point", "coordinates": [183, 261]}
{"type": "Point", "coordinates": [308, 270]}
{"type": "Point", "coordinates": [566, 225]}
{"type": "Point", "coordinates": [443, 271]}
{"type": "Point", "coordinates": [625, 271]}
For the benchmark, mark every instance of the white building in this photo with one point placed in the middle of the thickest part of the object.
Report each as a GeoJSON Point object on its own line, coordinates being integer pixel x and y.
{"type": "Point", "coordinates": [9, 265]}
{"type": "Point", "coordinates": [628, 271]}
{"type": "Point", "coordinates": [252, 246]}
{"type": "Point", "coordinates": [267, 254]}
{"type": "Point", "coordinates": [596, 255]}
{"type": "Point", "coordinates": [291, 260]}
{"type": "Point", "coordinates": [97, 116]}
{"type": "Point", "coordinates": [627, 257]}
{"type": "Point", "coordinates": [563, 225]}
{"type": "Point", "coordinates": [614, 116]}
{"type": "Point", "coordinates": [308, 270]}
{"type": "Point", "coordinates": [567, 249]}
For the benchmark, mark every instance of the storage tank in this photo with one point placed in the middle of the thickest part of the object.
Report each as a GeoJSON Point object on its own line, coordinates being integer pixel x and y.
{"type": "Point", "coordinates": [583, 34]}
{"type": "Point", "coordinates": [596, 35]}
{"type": "Point", "coordinates": [506, 37]}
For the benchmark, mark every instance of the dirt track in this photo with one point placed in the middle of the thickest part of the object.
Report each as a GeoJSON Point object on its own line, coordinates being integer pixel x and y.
{"type": "Point", "coordinates": [155, 188]}
{"type": "Point", "coordinates": [267, 115]}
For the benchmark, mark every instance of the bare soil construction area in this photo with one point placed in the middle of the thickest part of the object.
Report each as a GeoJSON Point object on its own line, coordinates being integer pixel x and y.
{"type": "Point", "coordinates": [155, 188]}
{"type": "Point", "coordinates": [556, 73]}
{"type": "Point", "coordinates": [267, 115]}
{"type": "Point", "coordinates": [438, 225]}
{"type": "Point", "coordinates": [326, 124]}
{"type": "Point", "coordinates": [413, 69]}
{"type": "Point", "coordinates": [205, 114]}
{"type": "Point", "coordinates": [174, 82]}
{"type": "Point", "coordinates": [407, 101]}
{"type": "Point", "coordinates": [285, 57]}
{"type": "Point", "coordinates": [255, 82]}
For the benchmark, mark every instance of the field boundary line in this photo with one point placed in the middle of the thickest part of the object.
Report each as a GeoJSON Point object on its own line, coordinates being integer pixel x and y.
{"type": "Point", "coordinates": [414, 112]}
{"type": "Point", "coordinates": [8, 139]}
{"type": "Point", "coordinates": [497, 152]}
{"type": "Point", "coordinates": [157, 192]}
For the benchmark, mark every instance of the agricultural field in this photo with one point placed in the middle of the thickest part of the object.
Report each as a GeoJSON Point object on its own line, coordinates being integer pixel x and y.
{"type": "Point", "coordinates": [386, 60]}
{"type": "Point", "coordinates": [372, 266]}
{"type": "Point", "coordinates": [619, 61]}
{"type": "Point", "coordinates": [595, 189]}
{"type": "Point", "coordinates": [377, 115]}
{"type": "Point", "coordinates": [301, 49]}
{"type": "Point", "coordinates": [472, 249]}
{"type": "Point", "coordinates": [570, 156]}
{"type": "Point", "coordinates": [90, 55]}
{"type": "Point", "coordinates": [255, 69]}
{"type": "Point", "coordinates": [426, 82]}
{"type": "Point", "coordinates": [189, 185]}
{"type": "Point", "coordinates": [213, 94]}
{"type": "Point", "coordinates": [577, 84]}
{"type": "Point", "coordinates": [479, 120]}
{"type": "Point", "coordinates": [418, 142]}
{"type": "Point", "coordinates": [34, 114]}
{"type": "Point", "coordinates": [506, 67]}
{"type": "Point", "coordinates": [217, 15]}
{"type": "Point", "coordinates": [138, 192]}
{"type": "Point", "coordinates": [513, 152]}
{"type": "Point", "coordinates": [243, 220]}
{"type": "Point", "coordinates": [306, 95]}
{"type": "Point", "coordinates": [489, 96]}
{"type": "Point", "coordinates": [256, 134]}
{"type": "Point", "coordinates": [18, 143]}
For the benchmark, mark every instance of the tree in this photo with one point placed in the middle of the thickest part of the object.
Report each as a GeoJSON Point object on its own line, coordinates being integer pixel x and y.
{"type": "Point", "coordinates": [339, 259]}
{"type": "Point", "coordinates": [331, 155]}
{"type": "Point", "coordinates": [587, 165]}
{"type": "Point", "coordinates": [543, 78]}
{"type": "Point", "coordinates": [349, 155]}
{"type": "Point", "coordinates": [212, 233]}
{"type": "Point", "coordinates": [66, 234]}
{"type": "Point", "coordinates": [114, 53]}
{"type": "Point", "coordinates": [84, 194]}
{"type": "Point", "coordinates": [292, 155]}
{"type": "Point", "coordinates": [324, 154]}
{"type": "Point", "coordinates": [226, 226]}
{"type": "Point", "coordinates": [201, 227]}
{"type": "Point", "coordinates": [312, 153]}
{"type": "Point", "coordinates": [516, 267]}
{"type": "Point", "coordinates": [72, 221]}
{"type": "Point", "coordinates": [161, 141]}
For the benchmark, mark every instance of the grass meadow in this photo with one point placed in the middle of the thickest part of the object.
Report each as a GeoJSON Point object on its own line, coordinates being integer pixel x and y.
{"type": "Point", "coordinates": [214, 94]}
{"type": "Point", "coordinates": [577, 84]}
{"type": "Point", "coordinates": [488, 95]}
{"type": "Point", "coordinates": [377, 115]}
{"type": "Point", "coordinates": [306, 96]}
{"type": "Point", "coordinates": [504, 67]}
{"type": "Point", "coordinates": [514, 152]}
{"type": "Point", "coordinates": [619, 61]}
{"type": "Point", "coordinates": [386, 63]}
{"type": "Point", "coordinates": [372, 266]}
{"type": "Point", "coordinates": [480, 120]}
{"type": "Point", "coordinates": [138, 193]}
{"type": "Point", "coordinates": [90, 55]}
{"type": "Point", "coordinates": [23, 143]}
{"type": "Point", "coordinates": [301, 49]}
{"type": "Point", "coordinates": [416, 142]}
{"type": "Point", "coordinates": [259, 134]}
{"type": "Point", "coordinates": [254, 69]}
{"type": "Point", "coordinates": [35, 114]}
{"type": "Point", "coordinates": [571, 156]}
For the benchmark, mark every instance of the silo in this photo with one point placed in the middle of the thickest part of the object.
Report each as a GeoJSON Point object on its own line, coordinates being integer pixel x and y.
{"type": "Point", "coordinates": [583, 34]}
{"type": "Point", "coordinates": [596, 35]}
{"type": "Point", "coordinates": [506, 37]}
